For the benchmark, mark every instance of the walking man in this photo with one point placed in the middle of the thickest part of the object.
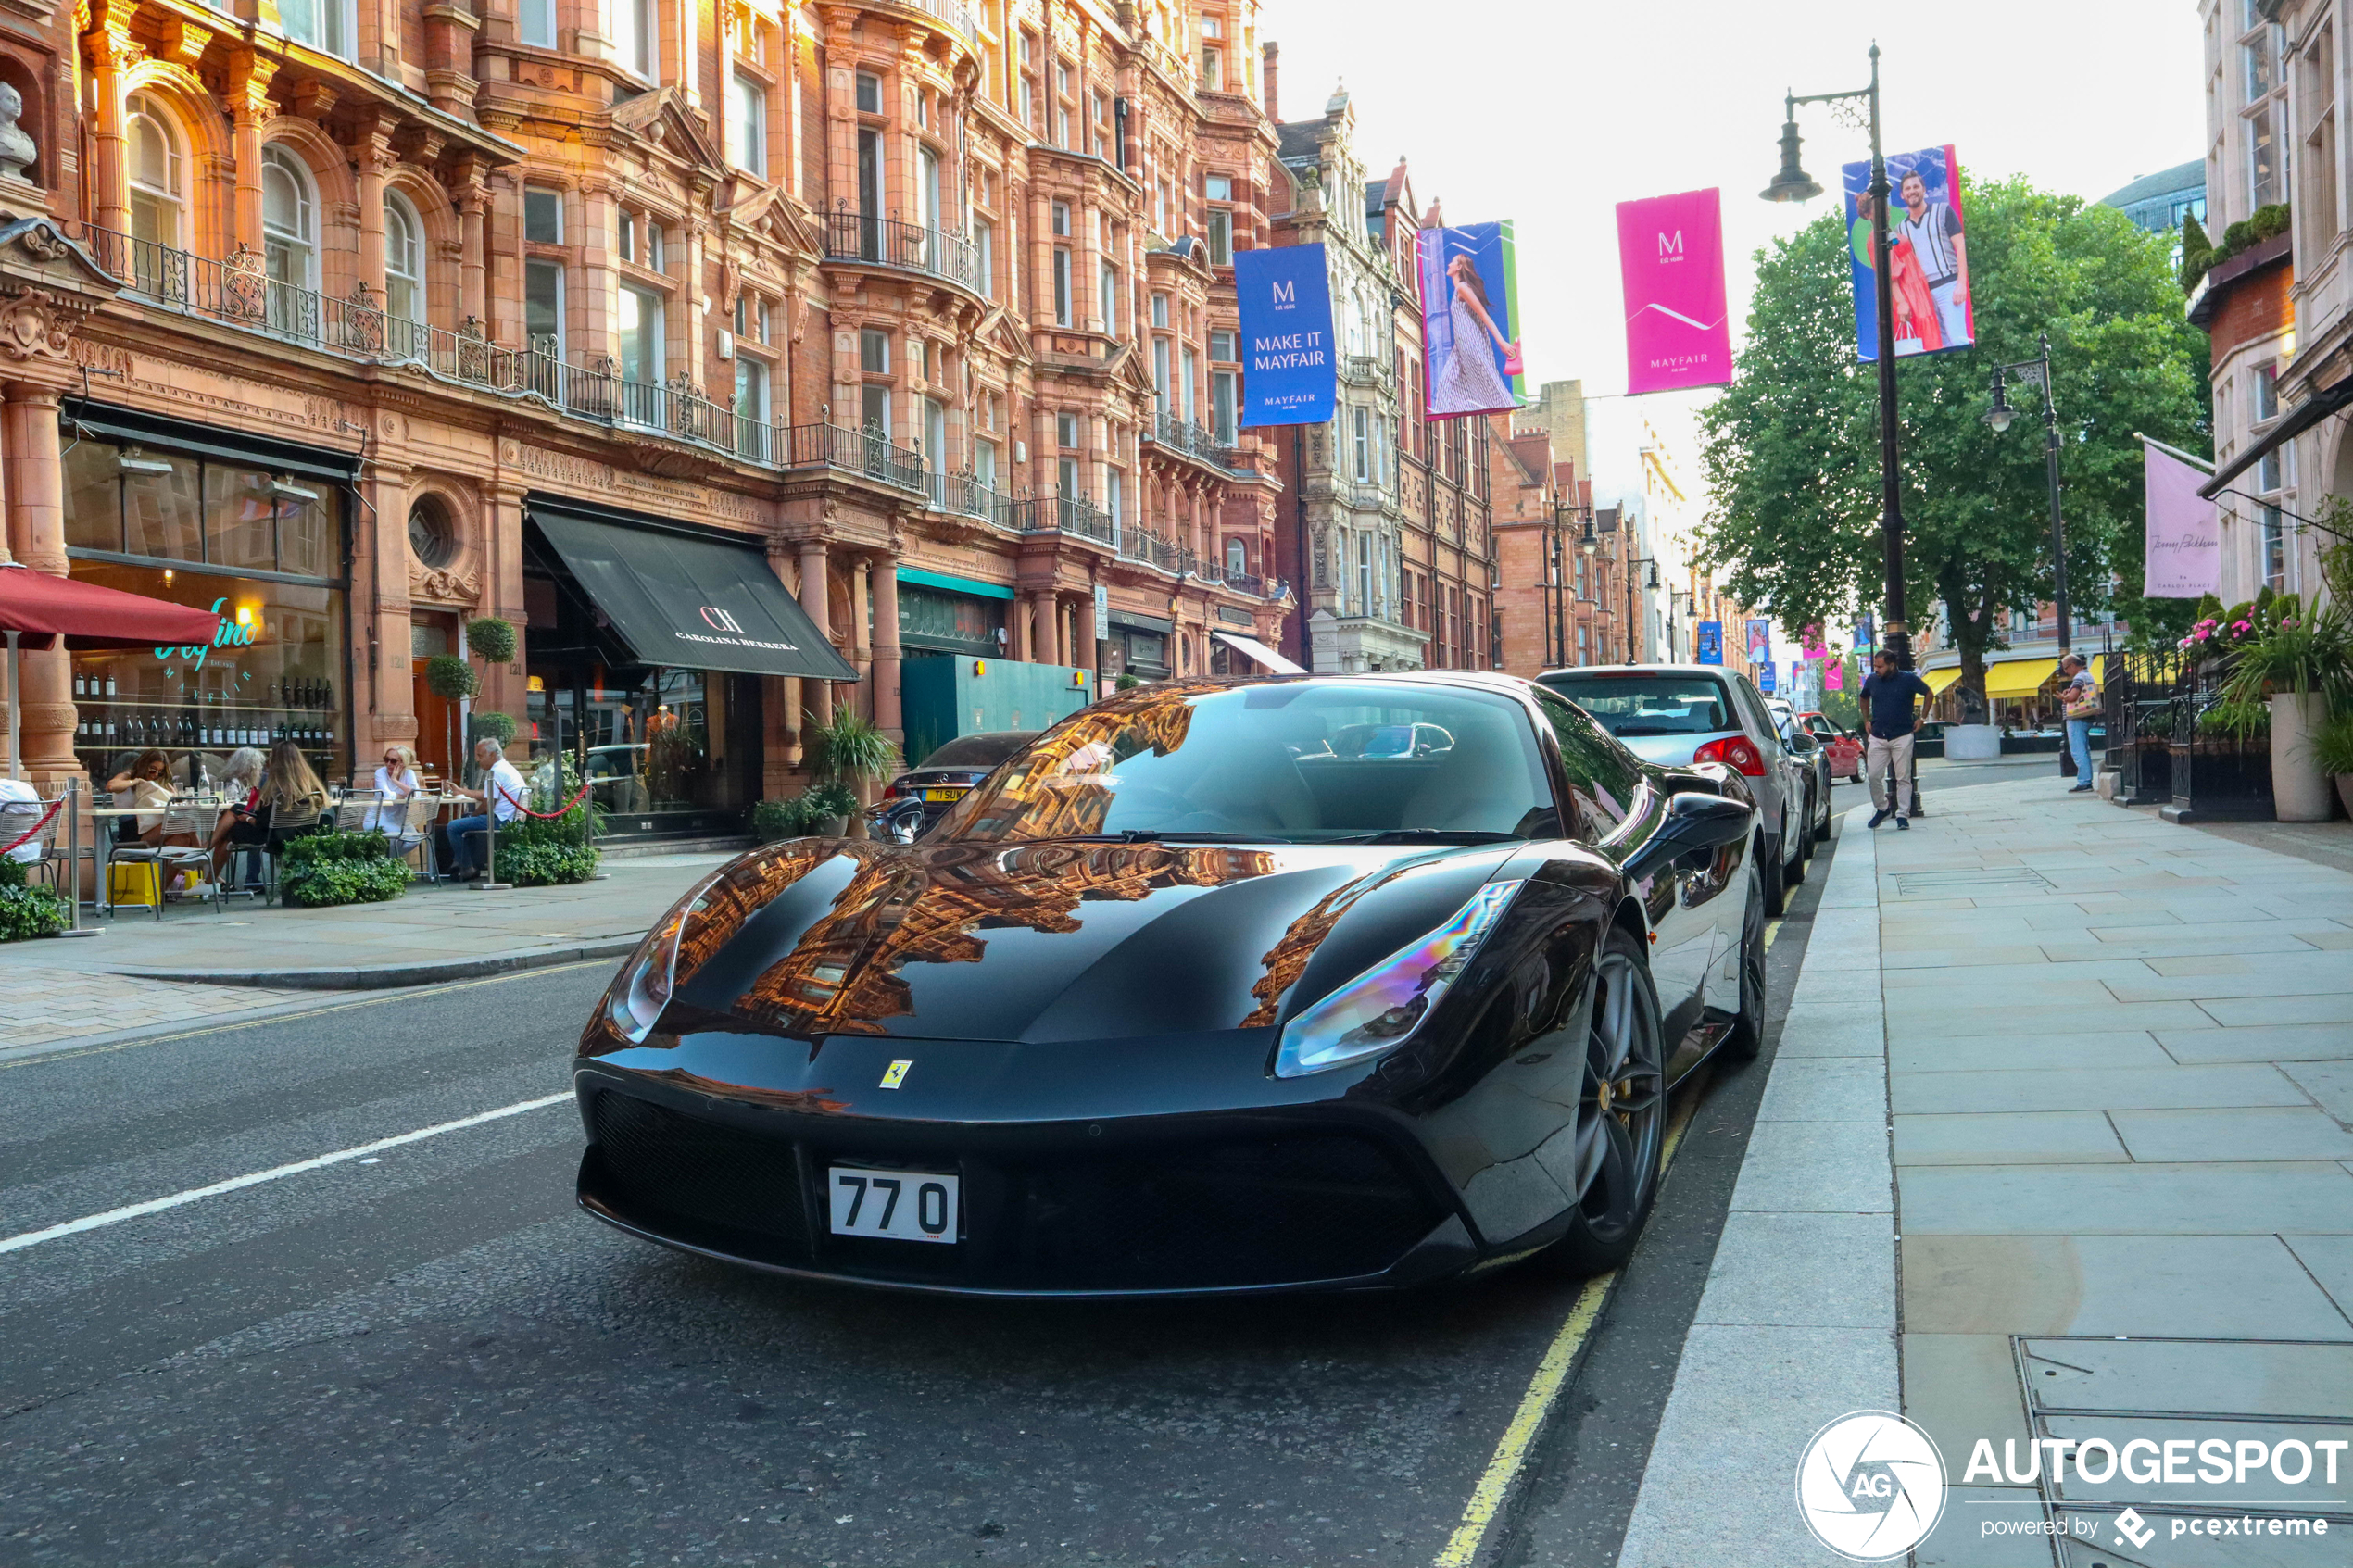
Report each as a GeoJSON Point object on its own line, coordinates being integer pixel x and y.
{"type": "Point", "coordinates": [2080, 700]}
{"type": "Point", "coordinates": [1890, 718]}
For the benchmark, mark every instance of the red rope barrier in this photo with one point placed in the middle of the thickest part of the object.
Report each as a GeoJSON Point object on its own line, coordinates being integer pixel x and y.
{"type": "Point", "coordinates": [543, 816]}
{"type": "Point", "coordinates": [36, 827]}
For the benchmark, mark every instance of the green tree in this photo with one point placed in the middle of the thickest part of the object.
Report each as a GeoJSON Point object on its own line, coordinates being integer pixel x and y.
{"type": "Point", "coordinates": [1792, 448]}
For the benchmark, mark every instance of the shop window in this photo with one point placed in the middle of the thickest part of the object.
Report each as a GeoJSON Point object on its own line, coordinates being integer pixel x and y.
{"type": "Point", "coordinates": [163, 514]}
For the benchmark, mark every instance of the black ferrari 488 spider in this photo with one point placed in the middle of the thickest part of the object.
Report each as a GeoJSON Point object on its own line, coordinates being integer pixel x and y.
{"type": "Point", "coordinates": [1323, 981]}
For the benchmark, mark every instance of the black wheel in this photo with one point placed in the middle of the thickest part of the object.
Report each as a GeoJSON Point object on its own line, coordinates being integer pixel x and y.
{"type": "Point", "coordinates": [1795, 874]}
{"type": "Point", "coordinates": [1770, 874]}
{"type": "Point", "coordinates": [1822, 828]}
{"type": "Point", "coordinates": [1747, 1038]}
{"type": "Point", "coordinates": [1621, 1115]}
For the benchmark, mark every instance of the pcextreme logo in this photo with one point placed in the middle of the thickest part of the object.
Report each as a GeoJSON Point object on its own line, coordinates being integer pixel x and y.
{"type": "Point", "coordinates": [1870, 1485]}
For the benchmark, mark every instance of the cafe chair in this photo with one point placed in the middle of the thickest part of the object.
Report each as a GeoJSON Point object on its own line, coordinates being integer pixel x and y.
{"type": "Point", "coordinates": [60, 860]}
{"type": "Point", "coordinates": [181, 819]}
{"type": "Point", "coordinates": [416, 835]}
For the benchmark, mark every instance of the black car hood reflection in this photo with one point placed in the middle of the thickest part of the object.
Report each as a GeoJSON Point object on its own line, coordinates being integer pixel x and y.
{"type": "Point", "coordinates": [1049, 941]}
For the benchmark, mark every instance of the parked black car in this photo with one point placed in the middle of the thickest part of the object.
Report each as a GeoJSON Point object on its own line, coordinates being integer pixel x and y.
{"type": "Point", "coordinates": [920, 797]}
{"type": "Point", "coordinates": [1186, 997]}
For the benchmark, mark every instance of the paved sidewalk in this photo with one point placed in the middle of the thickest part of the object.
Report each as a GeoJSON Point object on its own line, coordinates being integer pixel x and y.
{"type": "Point", "coordinates": [41, 1007]}
{"type": "Point", "coordinates": [431, 934]}
{"type": "Point", "coordinates": [2106, 1065]}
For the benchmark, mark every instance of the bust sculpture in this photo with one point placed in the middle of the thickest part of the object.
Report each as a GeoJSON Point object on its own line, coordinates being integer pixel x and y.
{"type": "Point", "coordinates": [17, 150]}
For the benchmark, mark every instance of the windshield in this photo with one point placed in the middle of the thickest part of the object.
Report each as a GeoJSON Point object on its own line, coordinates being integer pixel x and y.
{"type": "Point", "coordinates": [1301, 761]}
{"type": "Point", "coordinates": [980, 752]}
{"type": "Point", "coordinates": [1649, 703]}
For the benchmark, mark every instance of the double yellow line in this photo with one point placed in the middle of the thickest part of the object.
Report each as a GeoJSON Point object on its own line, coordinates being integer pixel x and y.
{"type": "Point", "coordinates": [1552, 1374]}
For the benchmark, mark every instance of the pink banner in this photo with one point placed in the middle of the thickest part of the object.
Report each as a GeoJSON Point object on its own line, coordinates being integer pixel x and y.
{"type": "Point", "coordinates": [1809, 642]}
{"type": "Point", "coordinates": [1834, 675]}
{"type": "Point", "coordinates": [2184, 540]}
{"type": "Point", "coordinates": [1670, 250]}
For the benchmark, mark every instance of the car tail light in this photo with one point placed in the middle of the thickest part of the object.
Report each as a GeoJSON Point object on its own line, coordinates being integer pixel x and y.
{"type": "Point", "coordinates": [891, 792]}
{"type": "Point", "coordinates": [1733, 751]}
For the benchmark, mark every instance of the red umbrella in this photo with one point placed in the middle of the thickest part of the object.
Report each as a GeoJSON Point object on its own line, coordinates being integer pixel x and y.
{"type": "Point", "coordinates": [40, 608]}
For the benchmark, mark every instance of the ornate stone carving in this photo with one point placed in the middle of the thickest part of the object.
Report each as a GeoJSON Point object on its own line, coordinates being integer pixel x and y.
{"type": "Point", "coordinates": [460, 585]}
{"type": "Point", "coordinates": [37, 324]}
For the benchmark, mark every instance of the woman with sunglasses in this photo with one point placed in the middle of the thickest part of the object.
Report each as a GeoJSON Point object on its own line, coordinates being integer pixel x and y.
{"type": "Point", "coordinates": [396, 781]}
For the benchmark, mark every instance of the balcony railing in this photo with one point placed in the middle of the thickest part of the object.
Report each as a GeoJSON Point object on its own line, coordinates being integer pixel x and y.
{"type": "Point", "coordinates": [953, 12]}
{"type": "Point", "coordinates": [1185, 436]}
{"type": "Point", "coordinates": [1363, 369]}
{"type": "Point", "coordinates": [1142, 544]}
{"type": "Point", "coordinates": [886, 242]}
{"type": "Point", "coordinates": [1067, 514]}
{"type": "Point", "coordinates": [966, 494]}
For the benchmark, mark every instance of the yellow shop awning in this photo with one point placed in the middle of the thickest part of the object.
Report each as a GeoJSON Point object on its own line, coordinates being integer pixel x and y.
{"type": "Point", "coordinates": [2018, 677]}
{"type": "Point", "coordinates": [1940, 679]}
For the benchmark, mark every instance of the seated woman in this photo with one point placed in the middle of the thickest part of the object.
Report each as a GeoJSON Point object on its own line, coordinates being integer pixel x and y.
{"type": "Point", "coordinates": [291, 793]}
{"type": "Point", "coordinates": [243, 821]}
{"type": "Point", "coordinates": [145, 786]}
{"type": "Point", "coordinates": [396, 781]}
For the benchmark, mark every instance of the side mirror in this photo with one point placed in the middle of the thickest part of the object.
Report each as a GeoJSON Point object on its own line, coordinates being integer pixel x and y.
{"type": "Point", "coordinates": [1695, 821]}
{"type": "Point", "coordinates": [897, 822]}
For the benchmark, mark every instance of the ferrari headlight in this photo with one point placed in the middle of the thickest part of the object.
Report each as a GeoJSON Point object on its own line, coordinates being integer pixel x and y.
{"type": "Point", "coordinates": [642, 989]}
{"type": "Point", "coordinates": [1380, 1008]}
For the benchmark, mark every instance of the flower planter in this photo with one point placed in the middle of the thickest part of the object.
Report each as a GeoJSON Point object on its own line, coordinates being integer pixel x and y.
{"type": "Point", "coordinates": [2300, 792]}
{"type": "Point", "coordinates": [829, 827]}
{"type": "Point", "coordinates": [2220, 781]}
{"type": "Point", "coordinates": [2345, 791]}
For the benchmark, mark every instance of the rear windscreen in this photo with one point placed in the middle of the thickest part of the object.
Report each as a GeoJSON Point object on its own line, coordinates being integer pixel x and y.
{"type": "Point", "coordinates": [980, 752]}
{"type": "Point", "coordinates": [1631, 706]}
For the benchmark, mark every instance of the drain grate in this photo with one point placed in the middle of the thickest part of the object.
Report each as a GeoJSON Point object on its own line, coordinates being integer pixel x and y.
{"type": "Point", "coordinates": [1962, 884]}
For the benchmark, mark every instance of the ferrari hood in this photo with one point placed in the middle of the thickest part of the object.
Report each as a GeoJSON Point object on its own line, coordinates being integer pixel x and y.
{"type": "Point", "coordinates": [1050, 940]}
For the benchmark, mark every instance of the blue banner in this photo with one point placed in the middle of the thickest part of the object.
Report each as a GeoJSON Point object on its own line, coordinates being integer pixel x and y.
{"type": "Point", "coordinates": [1765, 677]}
{"type": "Point", "coordinates": [1711, 642]}
{"type": "Point", "coordinates": [1287, 367]}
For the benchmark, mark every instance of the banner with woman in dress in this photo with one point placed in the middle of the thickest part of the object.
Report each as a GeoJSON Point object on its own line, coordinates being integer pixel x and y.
{"type": "Point", "coordinates": [1470, 301]}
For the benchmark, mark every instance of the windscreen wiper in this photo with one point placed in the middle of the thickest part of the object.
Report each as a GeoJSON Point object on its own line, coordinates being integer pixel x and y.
{"type": "Point", "coordinates": [1425, 835]}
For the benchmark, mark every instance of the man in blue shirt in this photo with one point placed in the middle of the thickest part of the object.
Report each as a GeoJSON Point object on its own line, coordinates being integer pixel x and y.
{"type": "Point", "coordinates": [1890, 718]}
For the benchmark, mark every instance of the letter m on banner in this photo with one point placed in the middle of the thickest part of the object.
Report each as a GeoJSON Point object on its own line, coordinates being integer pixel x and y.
{"type": "Point", "coordinates": [1670, 244]}
{"type": "Point", "coordinates": [1678, 332]}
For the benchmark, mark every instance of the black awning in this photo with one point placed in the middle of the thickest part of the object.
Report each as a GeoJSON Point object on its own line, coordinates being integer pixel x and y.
{"type": "Point", "coordinates": [2305, 415]}
{"type": "Point", "coordinates": [691, 603]}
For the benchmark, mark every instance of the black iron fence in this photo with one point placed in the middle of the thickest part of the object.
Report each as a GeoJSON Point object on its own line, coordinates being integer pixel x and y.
{"type": "Point", "coordinates": [886, 242]}
{"type": "Point", "coordinates": [2171, 740]}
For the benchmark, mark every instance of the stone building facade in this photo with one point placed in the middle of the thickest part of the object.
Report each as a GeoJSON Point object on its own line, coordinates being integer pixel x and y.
{"type": "Point", "coordinates": [360, 320]}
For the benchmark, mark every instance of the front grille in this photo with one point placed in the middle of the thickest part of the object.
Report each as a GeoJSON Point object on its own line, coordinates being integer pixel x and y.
{"type": "Point", "coordinates": [1260, 1213]}
{"type": "Point", "coordinates": [681, 1173]}
{"type": "Point", "coordinates": [1268, 1210]}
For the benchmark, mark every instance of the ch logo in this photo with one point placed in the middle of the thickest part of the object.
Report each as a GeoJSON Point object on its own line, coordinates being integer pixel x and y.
{"type": "Point", "coordinates": [719, 620]}
{"type": "Point", "coordinates": [1286, 293]}
{"type": "Point", "coordinates": [1670, 247]}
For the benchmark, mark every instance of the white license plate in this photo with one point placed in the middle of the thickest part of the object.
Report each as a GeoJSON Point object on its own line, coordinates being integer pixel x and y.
{"type": "Point", "coordinates": [902, 1205]}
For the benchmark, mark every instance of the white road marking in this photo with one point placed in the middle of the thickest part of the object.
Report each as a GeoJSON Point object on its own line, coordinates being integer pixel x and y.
{"type": "Point", "coordinates": [317, 1162]}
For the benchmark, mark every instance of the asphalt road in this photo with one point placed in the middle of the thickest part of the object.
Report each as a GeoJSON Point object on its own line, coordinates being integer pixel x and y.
{"type": "Point", "coordinates": [425, 1355]}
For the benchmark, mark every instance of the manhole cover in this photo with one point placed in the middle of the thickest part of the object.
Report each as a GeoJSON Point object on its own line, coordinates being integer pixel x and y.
{"type": "Point", "coordinates": [1961, 884]}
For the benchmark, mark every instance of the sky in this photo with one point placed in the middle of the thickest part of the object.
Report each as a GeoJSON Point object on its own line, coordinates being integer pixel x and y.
{"type": "Point", "coordinates": [1551, 112]}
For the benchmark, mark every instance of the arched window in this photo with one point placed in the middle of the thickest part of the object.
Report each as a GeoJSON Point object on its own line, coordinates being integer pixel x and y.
{"type": "Point", "coordinates": [404, 276]}
{"type": "Point", "coordinates": [1237, 558]}
{"type": "Point", "coordinates": [158, 177]}
{"type": "Point", "coordinates": [289, 221]}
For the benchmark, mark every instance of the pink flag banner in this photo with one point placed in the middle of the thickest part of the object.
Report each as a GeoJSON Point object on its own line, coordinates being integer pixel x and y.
{"type": "Point", "coordinates": [2183, 558]}
{"type": "Point", "coordinates": [1810, 642]}
{"type": "Point", "coordinates": [1670, 252]}
{"type": "Point", "coordinates": [1833, 674]}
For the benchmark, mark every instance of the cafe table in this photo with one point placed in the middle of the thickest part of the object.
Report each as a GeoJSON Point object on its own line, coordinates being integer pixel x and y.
{"type": "Point", "coordinates": [109, 815]}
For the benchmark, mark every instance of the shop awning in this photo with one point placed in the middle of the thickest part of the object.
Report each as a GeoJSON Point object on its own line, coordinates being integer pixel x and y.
{"type": "Point", "coordinates": [2018, 677]}
{"type": "Point", "coordinates": [691, 603]}
{"type": "Point", "coordinates": [1938, 679]}
{"type": "Point", "coordinates": [1251, 648]}
{"type": "Point", "coordinates": [942, 581]}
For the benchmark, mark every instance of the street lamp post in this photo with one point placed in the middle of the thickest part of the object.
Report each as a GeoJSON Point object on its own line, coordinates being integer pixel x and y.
{"type": "Point", "coordinates": [1794, 184]}
{"type": "Point", "coordinates": [1633, 648]}
{"type": "Point", "coordinates": [2037, 372]}
{"type": "Point", "coordinates": [1558, 631]}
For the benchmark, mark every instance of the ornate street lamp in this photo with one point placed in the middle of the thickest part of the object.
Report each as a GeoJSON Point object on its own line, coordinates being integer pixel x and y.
{"type": "Point", "coordinates": [1794, 184]}
{"type": "Point", "coordinates": [2036, 372]}
{"type": "Point", "coordinates": [1557, 651]}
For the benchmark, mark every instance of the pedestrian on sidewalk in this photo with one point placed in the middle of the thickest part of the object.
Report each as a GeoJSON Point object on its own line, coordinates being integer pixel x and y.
{"type": "Point", "coordinates": [2080, 701]}
{"type": "Point", "coordinates": [1891, 717]}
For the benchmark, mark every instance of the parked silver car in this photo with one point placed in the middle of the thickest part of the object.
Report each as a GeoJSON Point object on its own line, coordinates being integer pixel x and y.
{"type": "Point", "coordinates": [1672, 714]}
{"type": "Point", "coordinates": [1799, 739]}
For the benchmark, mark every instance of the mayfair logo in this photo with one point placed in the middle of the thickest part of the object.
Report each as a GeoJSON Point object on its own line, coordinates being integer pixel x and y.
{"type": "Point", "coordinates": [1286, 292]}
{"type": "Point", "coordinates": [719, 620]}
{"type": "Point", "coordinates": [1670, 247]}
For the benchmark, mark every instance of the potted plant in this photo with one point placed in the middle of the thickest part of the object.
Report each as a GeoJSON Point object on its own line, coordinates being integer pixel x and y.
{"type": "Point", "coordinates": [2333, 752]}
{"type": "Point", "coordinates": [774, 820]}
{"type": "Point", "coordinates": [850, 752]}
{"type": "Point", "coordinates": [828, 809]}
{"type": "Point", "coordinates": [2301, 660]}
